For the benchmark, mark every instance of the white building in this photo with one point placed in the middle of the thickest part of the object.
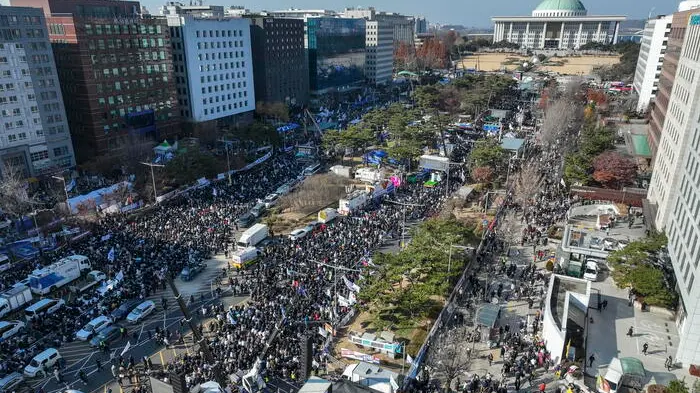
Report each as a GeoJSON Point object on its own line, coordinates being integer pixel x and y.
{"type": "Point", "coordinates": [34, 134]}
{"type": "Point", "coordinates": [404, 26]}
{"type": "Point", "coordinates": [651, 57]}
{"type": "Point", "coordinates": [235, 10]}
{"type": "Point", "coordinates": [177, 8]}
{"type": "Point", "coordinates": [676, 179]}
{"type": "Point", "coordinates": [557, 24]}
{"type": "Point", "coordinates": [295, 13]}
{"type": "Point", "coordinates": [213, 66]}
{"type": "Point", "coordinates": [379, 60]}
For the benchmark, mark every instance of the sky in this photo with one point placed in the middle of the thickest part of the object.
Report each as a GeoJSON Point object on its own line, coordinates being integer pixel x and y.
{"type": "Point", "coordinates": [470, 13]}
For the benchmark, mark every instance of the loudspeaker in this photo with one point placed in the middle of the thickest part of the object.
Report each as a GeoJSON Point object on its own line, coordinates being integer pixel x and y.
{"type": "Point", "coordinates": [307, 354]}
{"type": "Point", "coordinates": [178, 382]}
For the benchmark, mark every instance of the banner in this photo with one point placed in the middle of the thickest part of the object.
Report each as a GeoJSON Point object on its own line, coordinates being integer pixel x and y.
{"type": "Point", "coordinates": [346, 353]}
{"type": "Point", "coordinates": [351, 286]}
{"type": "Point", "coordinates": [110, 255]}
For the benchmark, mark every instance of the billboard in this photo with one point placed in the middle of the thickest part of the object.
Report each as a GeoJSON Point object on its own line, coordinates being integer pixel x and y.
{"type": "Point", "coordinates": [435, 163]}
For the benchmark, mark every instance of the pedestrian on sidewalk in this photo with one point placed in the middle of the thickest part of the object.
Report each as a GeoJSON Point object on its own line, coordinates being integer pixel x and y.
{"type": "Point", "coordinates": [630, 332]}
{"type": "Point", "coordinates": [645, 347]}
{"type": "Point", "coordinates": [490, 358]}
{"type": "Point", "coordinates": [669, 363]}
{"type": "Point", "coordinates": [591, 359]}
{"type": "Point", "coordinates": [605, 304]}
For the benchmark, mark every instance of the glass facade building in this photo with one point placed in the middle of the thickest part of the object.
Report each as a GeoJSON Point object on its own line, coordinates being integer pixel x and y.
{"type": "Point", "coordinates": [336, 52]}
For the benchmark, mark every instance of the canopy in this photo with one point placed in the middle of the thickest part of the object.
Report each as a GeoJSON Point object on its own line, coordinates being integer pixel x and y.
{"type": "Point", "coordinates": [632, 366]}
{"type": "Point", "coordinates": [488, 314]}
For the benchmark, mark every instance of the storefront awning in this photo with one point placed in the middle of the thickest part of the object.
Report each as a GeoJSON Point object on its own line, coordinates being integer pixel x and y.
{"type": "Point", "coordinates": [488, 314]}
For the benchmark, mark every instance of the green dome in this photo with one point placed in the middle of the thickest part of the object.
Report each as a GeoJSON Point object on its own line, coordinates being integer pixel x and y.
{"type": "Point", "coordinates": [560, 5]}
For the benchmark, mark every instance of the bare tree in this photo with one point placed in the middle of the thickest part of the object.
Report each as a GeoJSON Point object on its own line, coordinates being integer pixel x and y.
{"type": "Point", "coordinates": [315, 193]}
{"type": "Point", "coordinates": [447, 358]}
{"type": "Point", "coordinates": [528, 183]}
{"type": "Point", "coordinates": [562, 120]}
{"type": "Point", "coordinates": [15, 199]}
{"type": "Point", "coordinates": [509, 231]}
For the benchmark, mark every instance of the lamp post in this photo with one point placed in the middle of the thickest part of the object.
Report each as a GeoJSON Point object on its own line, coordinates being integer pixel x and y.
{"type": "Point", "coordinates": [335, 284]}
{"type": "Point", "coordinates": [153, 179]}
{"type": "Point", "coordinates": [228, 159]}
{"type": "Point", "coordinates": [61, 178]}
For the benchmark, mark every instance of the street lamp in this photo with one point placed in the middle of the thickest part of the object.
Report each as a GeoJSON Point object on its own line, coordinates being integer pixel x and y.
{"type": "Point", "coordinates": [153, 179]}
{"type": "Point", "coordinates": [65, 189]}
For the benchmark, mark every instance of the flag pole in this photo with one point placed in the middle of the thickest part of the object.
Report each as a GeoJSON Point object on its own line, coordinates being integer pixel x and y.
{"type": "Point", "coordinates": [403, 362]}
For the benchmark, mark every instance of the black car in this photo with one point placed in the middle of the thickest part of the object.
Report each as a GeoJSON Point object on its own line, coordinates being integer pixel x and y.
{"type": "Point", "coordinates": [106, 336]}
{"type": "Point", "coordinates": [124, 309]}
{"type": "Point", "coordinates": [245, 220]}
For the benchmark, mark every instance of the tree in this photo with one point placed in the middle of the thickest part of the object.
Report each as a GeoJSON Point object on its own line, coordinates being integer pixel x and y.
{"type": "Point", "coordinates": [482, 174]}
{"type": "Point", "coordinates": [447, 355]}
{"type": "Point", "coordinates": [528, 183]}
{"type": "Point", "coordinates": [356, 136]}
{"type": "Point", "coordinates": [650, 282]}
{"type": "Point", "coordinates": [487, 152]}
{"type": "Point", "coordinates": [15, 199]}
{"type": "Point", "coordinates": [577, 169]}
{"type": "Point", "coordinates": [562, 120]}
{"type": "Point", "coordinates": [613, 170]}
{"type": "Point", "coordinates": [677, 386]}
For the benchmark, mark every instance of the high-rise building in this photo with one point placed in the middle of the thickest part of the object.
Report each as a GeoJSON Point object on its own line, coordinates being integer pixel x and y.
{"type": "Point", "coordinates": [680, 139]}
{"type": "Point", "coordinates": [404, 26]}
{"type": "Point", "coordinates": [379, 43]}
{"type": "Point", "coordinates": [679, 24]}
{"type": "Point", "coordinates": [557, 24]}
{"type": "Point", "coordinates": [116, 73]}
{"type": "Point", "coordinates": [213, 68]}
{"type": "Point", "coordinates": [280, 66]}
{"type": "Point", "coordinates": [421, 25]}
{"type": "Point", "coordinates": [651, 56]}
{"type": "Point", "coordinates": [336, 50]}
{"type": "Point", "coordinates": [664, 127]}
{"type": "Point", "coordinates": [34, 135]}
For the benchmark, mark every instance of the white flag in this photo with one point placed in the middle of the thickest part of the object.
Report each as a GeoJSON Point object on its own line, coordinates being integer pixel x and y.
{"type": "Point", "coordinates": [351, 285]}
{"type": "Point", "coordinates": [110, 255]}
{"type": "Point", "coordinates": [126, 348]}
{"type": "Point", "coordinates": [119, 276]}
{"type": "Point", "coordinates": [563, 183]}
{"type": "Point", "coordinates": [409, 359]}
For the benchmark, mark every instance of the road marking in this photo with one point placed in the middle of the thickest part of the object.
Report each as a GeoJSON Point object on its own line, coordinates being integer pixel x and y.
{"type": "Point", "coordinates": [141, 332]}
{"type": "Point", "coordinates": [84, 363]}
{"type": "Point", "coordinates": [162, 360]}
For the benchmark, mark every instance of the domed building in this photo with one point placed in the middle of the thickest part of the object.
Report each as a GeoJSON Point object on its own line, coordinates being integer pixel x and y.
{"type": "Point", "coordinates": [557, 24]}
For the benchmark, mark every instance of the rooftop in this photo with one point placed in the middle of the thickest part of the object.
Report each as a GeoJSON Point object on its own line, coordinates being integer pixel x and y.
{"type": "Point", "coordinates": [561, 5]}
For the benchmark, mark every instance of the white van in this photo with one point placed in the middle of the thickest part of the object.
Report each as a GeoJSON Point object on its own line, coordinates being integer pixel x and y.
{"type": "Point", "coordinates": [43, 307]}
{"type": "Point", "coordinates": [42, 363]}
{"type": "Point", "coordinates": [93, 327]}
{"type": "Point", "coordinates": [591, 271]}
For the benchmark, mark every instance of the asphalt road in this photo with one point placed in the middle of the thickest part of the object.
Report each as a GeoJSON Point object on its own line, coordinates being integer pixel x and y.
{"type": "Point", "coordinates": [79, 355]}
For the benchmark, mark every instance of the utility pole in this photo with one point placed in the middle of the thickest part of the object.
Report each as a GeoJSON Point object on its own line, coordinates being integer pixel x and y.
{"type": "Point", "coordinates": [228, 159]}
{"type": "Point", "coordinates": [197, 334]}
{"type": "Point", "coordinates": [153, 179]}
{"type": "Point", "coordinates": [403, 225]}
{"type": "Point", "coordinates": [335, 284]}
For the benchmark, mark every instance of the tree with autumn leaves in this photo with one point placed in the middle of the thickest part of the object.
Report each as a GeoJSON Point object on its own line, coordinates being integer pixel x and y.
{"type": "Point", "coordinates": [613, 170]}
{"type": "Point", "coordinates": [432, 54]}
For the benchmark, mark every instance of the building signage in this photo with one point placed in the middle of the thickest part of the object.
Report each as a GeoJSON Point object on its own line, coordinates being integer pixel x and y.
{"type": "Point", "coordinates": [695, 20]}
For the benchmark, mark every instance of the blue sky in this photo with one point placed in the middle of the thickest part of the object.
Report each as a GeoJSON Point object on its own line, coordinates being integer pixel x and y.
{"type": "Point", "coordinates": [464, 12]}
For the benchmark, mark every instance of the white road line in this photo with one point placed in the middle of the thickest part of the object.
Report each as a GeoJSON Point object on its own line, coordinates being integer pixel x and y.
{"type": "Point", "coordinates": [84, 363]}
{"type": "Point", "coordinates": [141, 332]}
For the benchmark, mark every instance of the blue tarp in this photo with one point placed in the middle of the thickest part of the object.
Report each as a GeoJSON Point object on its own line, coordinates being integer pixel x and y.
{"type": "Point", "coordinates": [288, 127]}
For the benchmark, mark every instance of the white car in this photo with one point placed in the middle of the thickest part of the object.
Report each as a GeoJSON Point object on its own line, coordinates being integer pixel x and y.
{"type": "Point", "coordinates": [298, 233]}
{"type": "Point", "coordinates": [591, 271]}
{"type": "Point", "coordinates": [270, 200]}
{"type": "Point", "coordinates": [141, 311]}
{"type": "Point", "coordinates": [10, 328]}
{"type": "Point", "coordinates": [93, 327]}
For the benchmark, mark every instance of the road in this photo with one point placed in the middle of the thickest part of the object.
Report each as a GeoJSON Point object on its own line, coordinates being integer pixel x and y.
{"type": "Point", "coordinates": [79, 355]}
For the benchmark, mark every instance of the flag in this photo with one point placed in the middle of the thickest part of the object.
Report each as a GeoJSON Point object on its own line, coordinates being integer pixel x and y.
{"type": "Point", "coordinates": [563, 183]}
{"type": "Point", "coordinates": [126, 348]}
{"type": "Point", "coordinates": [351, 286]}
{"type": "Point", "coordinates": [409, 359]}
{"type": "Point", "coordinates": [213, 191]}
{"type": "Point", "coordinates": [106, 237]}
{"type": "Point", "coordinates": [120, 276]}
{"type": "Point", "coordinates": [110, 255]}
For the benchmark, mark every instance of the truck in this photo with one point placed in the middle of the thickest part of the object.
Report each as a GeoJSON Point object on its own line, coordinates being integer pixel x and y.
{"type": "Point", "coordinates": [91, 280]}
{"type": "Point", "coordinates": [14, 298]}
{"type": "Point", "coordinates": [623, 375]}
{"type": "Point", "coordinates": [353, 201]}
{"type": "Point", "coordinates": [253, 235]}
{"type": "Point", "coordinates": [244, 257]}
{"type": "Point", "coordinates": [327, 215]}
{"type": "Point", "coordinates": [58, 274]}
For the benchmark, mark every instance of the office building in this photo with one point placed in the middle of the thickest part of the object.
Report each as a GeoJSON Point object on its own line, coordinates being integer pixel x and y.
{"type": "Point", "coordinates": [679, 23]}
{"type": "Point", "coordinates": [681, 139]}
{"type": "Point", "coordinates": [651, 56]}
{"type": "Point", "coordinates": [280, 66]}
{"type": "Point", "coordinates": [403, 26]}
{"type": "Point", "coordinates": [421, 25]}
{"type": "Point", "coordinates": [116, 74]}
{"type": "Point", "coordinates": [557, 24]}
{"type": "Point", "coordinates": [295, 13]}
{"type": "Point", "coordinates": [336, 52]}
{"type": "Point", "coordinates": [379, 43]}
{"type": "Point", "coordinates": [213, 69]}
{"type": "Point", "coordinates": [34, 135]}
{"type": "Point", "coordinates": [177, 8]}
{"type": "Point", "coordinates": [235, 10]}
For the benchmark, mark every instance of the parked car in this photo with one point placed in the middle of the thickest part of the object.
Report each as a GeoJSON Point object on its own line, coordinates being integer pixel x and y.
{"type": "Point", "coordinates": [106, 336]}
{"type": "Point", "coordinates": [93, 327]}
{"type": "Point", "coordinates": [591, 271]}
{"type": "Point", "coordinates": [123, 310]}
{"type": "Point", "coordinates": [609, 244]}
{"type": "Point", "coordinates": [43, 361]}
{"type": "Point", "coordinates": [298, 233]}
{"type": "Point", "coordinates": [621, 244]}
{"type": "Point", "coordinates": [10, 382]}
{"type": "Point", "coordinates": [258, 210]}
{"type": "Point", "coordinates": [189, 272]}
{"type": "Point", "coordinates": [141, 311]}
{"type": "Point", "coordinates": [270, 200]}
{"type": "Point", "coordinates": [596, 243]}
{"type": "Point", "coordinates": [245, 220]}
{"type": "Point", "coordinates": [10, 328]}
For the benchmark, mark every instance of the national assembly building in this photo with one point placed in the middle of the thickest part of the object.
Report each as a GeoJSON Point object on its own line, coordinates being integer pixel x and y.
{"type": "Point", "coordinates": [557, 24]}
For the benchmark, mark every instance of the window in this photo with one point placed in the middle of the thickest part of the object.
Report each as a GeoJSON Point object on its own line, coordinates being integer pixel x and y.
{"type": "Point", "coordinates": [60, 151]}
{"type": "Point", "coordinates": [12, 138]}
{"type": "Point", "coordinates": [40, 155]}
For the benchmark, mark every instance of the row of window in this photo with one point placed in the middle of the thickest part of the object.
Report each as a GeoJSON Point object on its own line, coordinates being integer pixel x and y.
{"type": "Point", "coordinates": [215, 89]}
{"type": "Point", "coordinates": [32, 45]}
{"type": "Point", "coordinates": [12, 20]}
{"type": "Point", "coordinates": [219, 45]}
{"type": "Point", "coordinates": [135, 70]}
{"type": "Point", "coordinates": [128, 58]}
{"type": "Point", "coordinates": [219, 108]}
{"type": "Point", "coordinates": [129, 85]}
{"type": "Point", "coordinates": [118, 43]}
{"type": "Point", "coordinates": [15, 34]}
{"type": "Point", "coordinates": [222, 98]}
{"type": "Point", "coordinates": [219, 55]}
{"type": "Point", "coordinates": [123, 29]}
{"type": "Point", "coordinates": [218, 33]}
{"type": "Point", "coordinates": [221, 66]}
